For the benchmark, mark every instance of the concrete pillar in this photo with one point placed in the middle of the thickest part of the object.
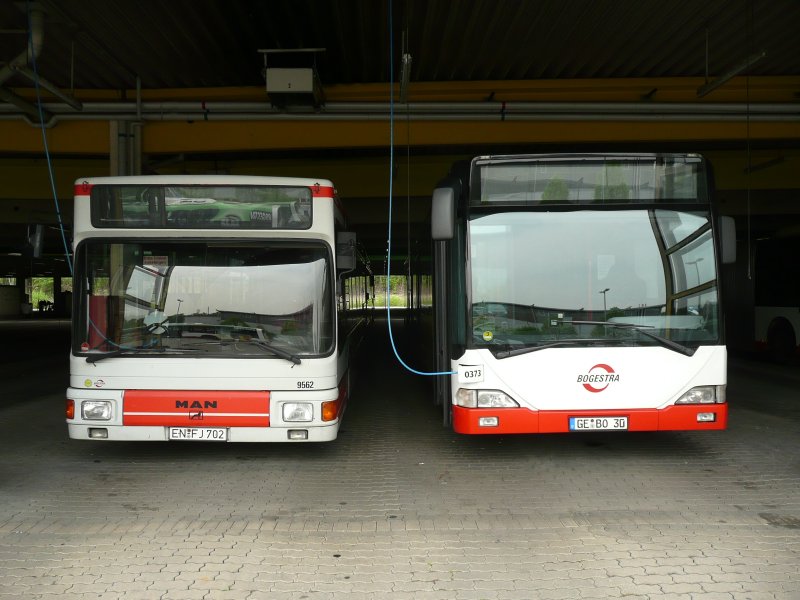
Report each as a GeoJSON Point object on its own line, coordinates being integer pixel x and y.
{"type": "Point", "coordinates": [126, 148]}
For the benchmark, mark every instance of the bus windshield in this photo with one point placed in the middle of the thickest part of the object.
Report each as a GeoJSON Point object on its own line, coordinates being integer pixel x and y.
{"type": "Point", "coordinates": [160, 206]}
{"type": "Point", "coordinates": [204, 298]}
{"type": "Point", "coordinates": [536, 275]}
{"type": "Point", "coordinates": [589, 179]}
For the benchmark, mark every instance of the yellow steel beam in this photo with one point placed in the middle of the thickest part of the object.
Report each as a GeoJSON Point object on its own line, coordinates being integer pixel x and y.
{"type": "Point", "coordinates": [220, 136]}
{"type": "Point", "coordinates": [68, 137]}
{"type": "Point", "coordinates": [91, 137]}
{"type": "Point", "coordinates": [26, 181]}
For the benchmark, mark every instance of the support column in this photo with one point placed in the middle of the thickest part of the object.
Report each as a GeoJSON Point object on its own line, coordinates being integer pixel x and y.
{"type": "Point", "coordinates": [125, 145]}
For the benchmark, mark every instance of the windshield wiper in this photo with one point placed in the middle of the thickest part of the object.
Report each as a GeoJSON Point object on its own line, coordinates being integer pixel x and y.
{"type": "Point", "coordinates": [112, 353]}
{"type": "Point", "coordinates": [93, 358]}
{"type": "Point", "coordinates": [280, 352]}
{"type": "Point", "coordinates": [667, 343]}
{"type": "Point", "coordinates": [554, 344]}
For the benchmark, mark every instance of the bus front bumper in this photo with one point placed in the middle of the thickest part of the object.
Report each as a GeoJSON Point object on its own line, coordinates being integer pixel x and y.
{"type": "Point", "coordinates": [326, 433]}
{"type": "Point", "coordinates": [693, 417]}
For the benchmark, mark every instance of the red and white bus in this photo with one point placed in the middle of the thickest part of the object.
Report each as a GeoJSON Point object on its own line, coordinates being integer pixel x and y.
{"type": "Point", "coordinates": [210, 308]}
{"type": "Point", "coordinates": [580, 293]}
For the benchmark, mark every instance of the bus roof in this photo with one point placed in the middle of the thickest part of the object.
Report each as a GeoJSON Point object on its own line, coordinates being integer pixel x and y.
{"type": "Point", "coordinates": [203, 180]}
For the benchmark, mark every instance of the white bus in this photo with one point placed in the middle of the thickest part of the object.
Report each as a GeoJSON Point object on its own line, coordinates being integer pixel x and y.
{"type": "Point", "coordinates": [209, 308]}
{"type": "Point", "coordinates": [580, 293]}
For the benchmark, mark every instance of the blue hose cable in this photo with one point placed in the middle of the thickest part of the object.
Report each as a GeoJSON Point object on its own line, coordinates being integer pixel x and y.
{"type": "Point", "coordinates": [44, 138]}
{"type": "Point", "coordinates": [391, 193]}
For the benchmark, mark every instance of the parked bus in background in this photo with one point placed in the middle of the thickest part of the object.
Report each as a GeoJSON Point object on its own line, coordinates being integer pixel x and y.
{"type": "Point", "coordinates": [777, 295]}
{"type": "Point", "coordinates": [580, 293]}
{"type": "Point", "coordinates": [210, 308]}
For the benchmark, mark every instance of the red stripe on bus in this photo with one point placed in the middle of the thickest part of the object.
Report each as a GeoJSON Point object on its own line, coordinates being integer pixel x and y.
{"type": "Point", "coordinates": [323, 191]}
{"type": "Point", "coordinates": [196, 408]}
{"type": "Point", "coordinates": [522, 420]}
{"type": "Point", "coordinates": [83, 189]}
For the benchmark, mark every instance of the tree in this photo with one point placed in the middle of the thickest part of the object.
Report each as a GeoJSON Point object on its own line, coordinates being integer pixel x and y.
{"type": "Point", "coordinates": [556, 190]}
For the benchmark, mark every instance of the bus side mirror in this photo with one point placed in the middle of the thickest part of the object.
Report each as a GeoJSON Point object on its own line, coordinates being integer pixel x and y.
{"type": "Point", "coordinates": [727, 237]}
{"type": "Point", "coordinates": [443, 211]}
{"type": "Point", "coordinates": [345, 251]}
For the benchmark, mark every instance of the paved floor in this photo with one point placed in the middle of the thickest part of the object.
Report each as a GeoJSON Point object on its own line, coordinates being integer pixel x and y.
{"type": "Point", "coordinates": [398, 507]}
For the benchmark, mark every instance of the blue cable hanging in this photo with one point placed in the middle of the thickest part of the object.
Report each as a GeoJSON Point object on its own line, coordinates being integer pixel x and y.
{"type": "Point", "coordinates": [44, 138]}
{"type": "Point", "coordinates": [391, 193]}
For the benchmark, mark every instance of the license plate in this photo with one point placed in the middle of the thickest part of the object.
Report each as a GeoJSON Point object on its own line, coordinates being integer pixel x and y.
{"type": "Point", "coordinates": [197, 434]}
{"type": "Point", "coordinates": [598, 423]}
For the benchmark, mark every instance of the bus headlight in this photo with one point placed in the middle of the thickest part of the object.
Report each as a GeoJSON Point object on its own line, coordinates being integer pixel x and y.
{"type": "Point", "coordinates": [484, 399]}
{"type": "Point", "coordinates": [298, 412]}
{"type": "Point", "coordinates": [703, 394]}
{"type": "Point", "coordinates": [96, 410]}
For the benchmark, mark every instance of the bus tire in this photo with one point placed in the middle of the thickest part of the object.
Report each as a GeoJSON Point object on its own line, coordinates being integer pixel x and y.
{"type": "Point", "coordinates": [781, 341]}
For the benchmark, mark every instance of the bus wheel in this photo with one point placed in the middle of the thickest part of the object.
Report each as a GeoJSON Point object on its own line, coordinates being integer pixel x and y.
{"type": "Point", "coordinates": [781, 341]}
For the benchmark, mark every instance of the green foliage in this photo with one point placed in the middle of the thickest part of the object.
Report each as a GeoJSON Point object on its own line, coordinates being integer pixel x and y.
{"type": "Point", "coordinates": [555, 191]}
{"type": "Point", "coordinates": [234, 322]}
{"type": "Point", "coordinates": [41, 290]}
{"type": "Point", "coordinates": [615, 187]}
{"type": "Point", "coordinates": [614, 311]}
{"type": "Point", "coordinates": [620, 191]}
{"type": "Point", "coordinates": [559, 329]}
{"type": "Point", "coordinates": [398, 287]}
{"type": "Point", "coordinates": [397, 301]}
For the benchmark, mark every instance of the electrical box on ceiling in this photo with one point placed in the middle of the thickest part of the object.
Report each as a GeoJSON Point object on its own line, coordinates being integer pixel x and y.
{"type": "Point", "coordinates": [293, 87]}
{"type": "Point", "coordinates": [292, 79]}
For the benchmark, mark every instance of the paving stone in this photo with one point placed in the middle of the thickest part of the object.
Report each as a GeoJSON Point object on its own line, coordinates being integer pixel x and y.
{"type": "Point", "coordinates": [399, 507]}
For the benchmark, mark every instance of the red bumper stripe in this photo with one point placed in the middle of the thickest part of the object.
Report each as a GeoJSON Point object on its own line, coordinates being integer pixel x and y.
{"type": "Point", "coordinates": [522, 420]}
{"type": "Point", "coordinates": [196, 408]}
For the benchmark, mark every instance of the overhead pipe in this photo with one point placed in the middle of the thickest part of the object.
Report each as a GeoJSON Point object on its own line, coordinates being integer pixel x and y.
{"type": "Point", "coordinates": [710, 86]}
{"type": "Point", "coordinates": [347, 108]}
{"type": "Point", "coordinates": [29, 109]}
{"type": "Point", "coordinates": [21, 64]}
{"type": "Point", "coordinates": [32, 48]}
{"type": "Point", "coordinates": [449, 111]}
{"type": "Point", "coordinates": [50, 87]}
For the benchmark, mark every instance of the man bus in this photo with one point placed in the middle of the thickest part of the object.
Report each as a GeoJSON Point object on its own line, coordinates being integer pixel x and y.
{"type": "Point", "coordinates": [205, 308]}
